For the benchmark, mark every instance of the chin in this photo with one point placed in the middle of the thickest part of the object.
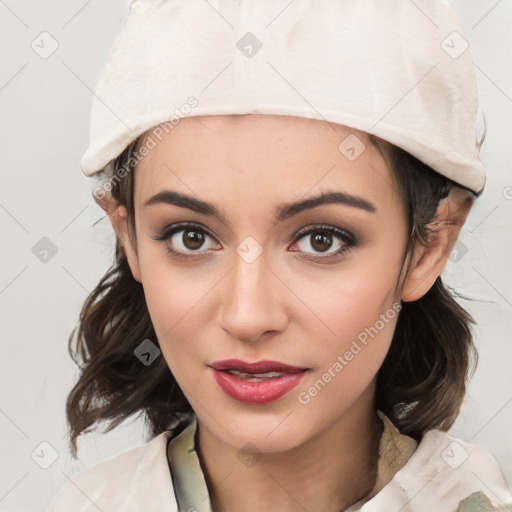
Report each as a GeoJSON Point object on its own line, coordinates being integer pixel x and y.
{"type": "Point", "coordinates": [268, 431]}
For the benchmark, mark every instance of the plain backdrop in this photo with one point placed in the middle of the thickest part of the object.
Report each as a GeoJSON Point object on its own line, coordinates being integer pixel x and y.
{"type": "Point", "coordinates": [45, 202]}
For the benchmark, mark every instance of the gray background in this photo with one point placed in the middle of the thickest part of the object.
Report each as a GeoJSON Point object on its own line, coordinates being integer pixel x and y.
{"type": "Point", "coordinates": [44, 111]}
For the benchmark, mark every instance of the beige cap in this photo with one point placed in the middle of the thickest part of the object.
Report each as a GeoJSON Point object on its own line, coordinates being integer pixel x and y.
{"type": "Point", "coordinates": [398, 69]}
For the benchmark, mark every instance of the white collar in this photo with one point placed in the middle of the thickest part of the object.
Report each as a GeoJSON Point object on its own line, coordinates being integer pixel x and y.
{"type": "Point", "coordinates": [434, 478]}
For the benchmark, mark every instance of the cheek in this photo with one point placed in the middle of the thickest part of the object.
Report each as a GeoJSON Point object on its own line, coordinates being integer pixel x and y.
{"type": "Point", "coordinates": [343, 301]}
{"type": "Point", "coordinates": [361, 316]}
{"type": "Point", "coordinates": [177, 298]}
{"type": "Point", "coordinates": [355, 314]}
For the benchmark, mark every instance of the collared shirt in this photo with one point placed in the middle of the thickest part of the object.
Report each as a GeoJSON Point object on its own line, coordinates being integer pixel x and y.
{"type": "Point", "coordinates": [442, 474]}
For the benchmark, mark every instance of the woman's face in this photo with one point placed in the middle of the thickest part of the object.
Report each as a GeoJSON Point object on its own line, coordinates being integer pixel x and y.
{"type": "Point", "coordinates": [252, 277]}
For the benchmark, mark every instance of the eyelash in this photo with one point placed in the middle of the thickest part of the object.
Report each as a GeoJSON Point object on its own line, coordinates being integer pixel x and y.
{"type": "Point", "coordinates": [349, 241]}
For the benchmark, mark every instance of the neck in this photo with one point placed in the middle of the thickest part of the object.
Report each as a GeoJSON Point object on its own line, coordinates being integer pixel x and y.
{"type": "Point", "coordinates": [328, 473]}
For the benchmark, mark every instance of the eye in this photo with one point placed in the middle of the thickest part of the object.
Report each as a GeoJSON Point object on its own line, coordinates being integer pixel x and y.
{"type": "Point", "coordinates": [323, 238]}
{"type": "Point", "coordinates": [188, 240]}
{"type": "Point", "coordinates": [185, 239]}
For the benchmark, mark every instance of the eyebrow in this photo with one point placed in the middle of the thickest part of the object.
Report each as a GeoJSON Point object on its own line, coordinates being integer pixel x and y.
{"type": "Point", "coordinates": [283, 211]}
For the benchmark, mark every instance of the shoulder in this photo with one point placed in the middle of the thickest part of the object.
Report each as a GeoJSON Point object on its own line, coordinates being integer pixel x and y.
{"type": "Point", "coordinates": [123, 482]}
{"type": "Point", "coordinates": [443, 472]}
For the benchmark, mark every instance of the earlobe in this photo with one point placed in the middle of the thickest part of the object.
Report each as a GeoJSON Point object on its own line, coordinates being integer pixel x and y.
{"type": "Point", "coordinates": [430, 259]}
{"type": "Point", "coordinates": [118, 217]}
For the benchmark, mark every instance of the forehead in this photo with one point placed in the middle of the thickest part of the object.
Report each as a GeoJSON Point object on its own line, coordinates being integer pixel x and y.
{"type": "Point", "coordinates": [278, 127]}
{"type": "Point", "coordinates": [260, 155]}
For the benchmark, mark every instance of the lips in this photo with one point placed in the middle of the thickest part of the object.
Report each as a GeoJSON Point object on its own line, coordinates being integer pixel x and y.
{"type": "Point", "coordinates": [254, 368]}
{"type": "Point", "coordinates": [258, 382]}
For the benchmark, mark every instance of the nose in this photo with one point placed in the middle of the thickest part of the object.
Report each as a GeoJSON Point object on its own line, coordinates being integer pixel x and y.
{"type": "Point", "coordinates": [254, 300]}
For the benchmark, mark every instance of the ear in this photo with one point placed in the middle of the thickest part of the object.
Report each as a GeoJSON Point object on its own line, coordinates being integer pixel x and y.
{"type": "Point", "coordinates": [118, 217]}
{"type": "Point", "coordinates": [429, 259]}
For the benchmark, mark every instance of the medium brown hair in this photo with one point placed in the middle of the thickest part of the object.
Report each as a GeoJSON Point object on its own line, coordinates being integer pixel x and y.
{"type": "Point", "coordinates": [420, 385]}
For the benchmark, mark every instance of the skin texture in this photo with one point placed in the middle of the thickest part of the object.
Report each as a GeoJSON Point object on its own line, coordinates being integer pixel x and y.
{"type": "Point", "coordinates": [287, 305]}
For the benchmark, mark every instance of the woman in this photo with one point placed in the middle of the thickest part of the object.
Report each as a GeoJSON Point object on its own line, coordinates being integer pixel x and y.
{"type": "Point", "coordinates": [286, 186]}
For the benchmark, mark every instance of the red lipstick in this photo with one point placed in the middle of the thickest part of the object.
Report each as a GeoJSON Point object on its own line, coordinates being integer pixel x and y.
{"type": "Point", "coordinates": [256, 383]}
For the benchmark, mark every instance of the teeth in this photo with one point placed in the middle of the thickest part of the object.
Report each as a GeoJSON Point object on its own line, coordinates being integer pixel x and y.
{"type": "Point", "coordinates": [268, 375]}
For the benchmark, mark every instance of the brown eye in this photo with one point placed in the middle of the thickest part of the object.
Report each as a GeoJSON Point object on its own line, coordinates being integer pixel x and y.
{"type": "Point", "coordinates": [321, 239]}
{"type": "Point", "coordinates": [186, 240]}
{"type": "Point", "coordinates": [193, 239]}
